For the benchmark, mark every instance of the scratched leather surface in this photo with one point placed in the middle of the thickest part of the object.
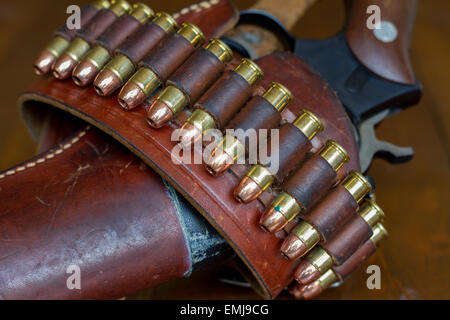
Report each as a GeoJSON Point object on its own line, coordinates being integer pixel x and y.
{"type": "Point", "coordinates": [61, 216]}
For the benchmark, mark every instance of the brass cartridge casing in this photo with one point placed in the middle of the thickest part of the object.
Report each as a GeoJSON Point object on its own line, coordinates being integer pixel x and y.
{"type": "Point", "coordinates": [101, 4]}
{"type": "Point", "coordinates": [221, 50]}
{"type": "Point", "coordinates": [165, 108]}
{"type": "Point", "coordinates": [307, 234]}
{"type": "Point", "coordinates": [371, 213]}
{"type": "Point", "coordinates": [201, 120]}
{"type": "Point", "coordinates": [278, 96]}
{"type": "Point", "coordinates": [79, 47]}
{"type": "Point", "coordinates": [165, 21]}
{"type": "Point", "coordinates": [113, 74]}
{"type": "Point", "coordinates": [309, 124]}
{"type": "Point", "coordinates": [334, 154]}
{"type": "Point", "coordinates": [283, 209]}
{"type": "Point", "coordinates": [147, 80]}
{"type": "Point", "coordinates": [231, 148]}
{"type": "Point", "coordinates": [259, 178]}
{"type": "Point", "coordinates": [321, 259]}
{"type": "Point", "coordinates": [329, 277]}
{"type": "Point", "coordinates": [58, 45]}
{"type": "Point", "coordinates": [287, 205]}
{"type": "Point", "coordinates": [99, 56]}
{"type": "Point", "coordinates": [357, 185]}
{"type": "Point", "coordinates": [248, 70]}
{"type": "Point", "coordinates": [192, 33]}
{"type": "Point", "coordinates": [317, 262]}
{"type": "Point", "coordinates": [172, 98]}
{"type": "Point", "coordinates": [141, 12]}
{"type": "Point", "coordinates": [120, 68]}
{"type": "Point", "coordinates": [317, 287]}
{"type": "Point", "coordinates": [256, 181]}
{"type": "Point", "coordinates": [379, 234]}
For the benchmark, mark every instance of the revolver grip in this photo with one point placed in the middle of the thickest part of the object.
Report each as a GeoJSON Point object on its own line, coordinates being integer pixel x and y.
{"type": "Point", "coordinates": [384, 51]}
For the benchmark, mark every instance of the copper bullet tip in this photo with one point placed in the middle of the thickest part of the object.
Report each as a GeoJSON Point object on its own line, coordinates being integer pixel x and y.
{"type": "Point", "coordinates": [159, 114]}
{"type": "Point", "coordinates": [293, 248]}
{"type": "Point", "coordinates": [189, 134]}
{"type": "Point", "coordinates": [106, 82]}
{"type": "Point", "coordinates": [247, 190]}
{"type": "Point", "coordinates": [306, 273]}
{"type": "Point", "coordinates": [273, 220]}
{"type": "Point", "coordinates": [132, 96]}
{"type": "Point", "coordinates": [311, 290]}
{"type": "Point", "coordinates": [218, 162]}
{"type": "Point", "coordinates": [63, 67]}
{"type": "Point", "coordinates": [296, 291]}
{"type": "Point", "coordinates": [84, 73]}
{"type": "Point", "coordinates": [44, 63]}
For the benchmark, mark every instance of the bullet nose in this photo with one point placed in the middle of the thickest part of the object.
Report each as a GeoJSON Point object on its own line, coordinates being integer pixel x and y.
{"type": "Point", "coordinates": [159, 114]}
{"type": "Point", "coordinates": [106, 82]}
{"type": "Point", "coordinates": [311, 290]}
{"type": "Point", "coordinates": [131, 96]}
{"type": "Point", "coordinates": [63, 67]}
{"type": "Point", "coordinates": [84, 73]}
{"type": "Point", "coordinates": [218, 162]}
{"type": "Point", "coordinates": [189, 134]}
{"type": "Point", "coordinates": [247, 190]}
{"type": "Point", "coordinates": [273, 220]}
{"type": "Point", "coordinates": [306, 273]}
{"type": "Point", "coordinates": [296, 291]}
{"type": "Point", "coordinates": [293, 248]}
{"type": "Point", "coordinates": [44, 63]}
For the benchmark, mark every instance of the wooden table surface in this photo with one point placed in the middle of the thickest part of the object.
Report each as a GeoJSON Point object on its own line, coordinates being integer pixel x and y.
{"type": "Point", "coordinates": [414, 261]}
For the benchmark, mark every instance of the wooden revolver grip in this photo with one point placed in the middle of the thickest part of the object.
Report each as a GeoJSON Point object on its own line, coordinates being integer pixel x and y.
{"type": "Point", "coordinates": [386, 55]}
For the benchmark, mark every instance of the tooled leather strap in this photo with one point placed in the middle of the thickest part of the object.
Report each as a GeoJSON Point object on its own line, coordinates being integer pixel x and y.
{"type": "Point", "coordinates": [213, 196]}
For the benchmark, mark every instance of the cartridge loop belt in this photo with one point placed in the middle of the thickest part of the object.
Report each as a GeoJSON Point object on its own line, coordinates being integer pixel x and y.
{"type": "Point", "coordinates": [266, 216]}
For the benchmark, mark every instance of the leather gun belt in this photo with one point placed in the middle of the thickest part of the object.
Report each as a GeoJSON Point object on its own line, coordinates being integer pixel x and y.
{"type": "Point", "coordinates": [212, 196]}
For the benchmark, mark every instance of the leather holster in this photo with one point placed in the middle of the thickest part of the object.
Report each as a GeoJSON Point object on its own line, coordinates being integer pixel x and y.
{"type": "Point", "coordinates": [95, 197]}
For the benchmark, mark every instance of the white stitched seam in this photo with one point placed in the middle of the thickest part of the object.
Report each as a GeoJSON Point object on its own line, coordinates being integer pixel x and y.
{"type": "Point", "coordinates": [46, 157]}
{"type": "Point", "coordinates": [197, 8]}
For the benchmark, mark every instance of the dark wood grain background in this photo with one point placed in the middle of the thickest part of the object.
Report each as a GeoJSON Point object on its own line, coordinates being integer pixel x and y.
{"type": "Point", "coordinates": [414, 261]}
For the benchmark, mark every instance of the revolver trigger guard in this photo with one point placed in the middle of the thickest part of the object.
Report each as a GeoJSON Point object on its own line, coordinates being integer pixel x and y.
{"type": "Point", "coordinates": [370, 146]}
